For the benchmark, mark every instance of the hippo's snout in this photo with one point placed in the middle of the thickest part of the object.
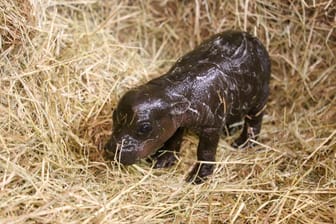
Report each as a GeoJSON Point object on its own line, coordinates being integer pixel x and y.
{"type": "Point", "coordinates": [127, 158]}
{"type": "Point", "coordinates": [110, 149]}
{"type": "Point", "coordinates": [126, 152]}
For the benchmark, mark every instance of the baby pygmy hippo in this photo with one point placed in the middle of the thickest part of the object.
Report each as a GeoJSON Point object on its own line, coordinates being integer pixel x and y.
{"type": "Point", "coordinates": [221, 82]}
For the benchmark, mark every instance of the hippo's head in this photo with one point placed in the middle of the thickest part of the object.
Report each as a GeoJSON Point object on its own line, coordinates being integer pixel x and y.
{"type": "Point", "coordinates": [142, 123]}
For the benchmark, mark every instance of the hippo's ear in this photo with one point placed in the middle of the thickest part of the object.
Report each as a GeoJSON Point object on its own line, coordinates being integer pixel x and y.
{"type": "Point", "coordinates": [179, 107]}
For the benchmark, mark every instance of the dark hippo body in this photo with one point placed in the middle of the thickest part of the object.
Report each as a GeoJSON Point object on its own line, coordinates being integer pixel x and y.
{"type": "Point", "coordinates": [221, 82]}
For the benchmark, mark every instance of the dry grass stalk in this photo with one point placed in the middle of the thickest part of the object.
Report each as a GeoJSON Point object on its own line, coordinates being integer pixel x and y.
{"type": "Point", "coordinates": [16, 21]}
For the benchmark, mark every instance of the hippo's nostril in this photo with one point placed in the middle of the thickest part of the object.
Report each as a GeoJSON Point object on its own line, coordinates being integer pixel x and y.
{"type": "Point", "coordinates": [129, 148]}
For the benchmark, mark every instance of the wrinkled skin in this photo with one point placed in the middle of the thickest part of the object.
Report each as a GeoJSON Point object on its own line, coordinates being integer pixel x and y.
{"type": "Point", "coordinates": [221, 82]}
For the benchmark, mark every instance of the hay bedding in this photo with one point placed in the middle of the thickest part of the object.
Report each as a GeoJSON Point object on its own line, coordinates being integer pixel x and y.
{"type": "Point", "coordinates": [65, 64]}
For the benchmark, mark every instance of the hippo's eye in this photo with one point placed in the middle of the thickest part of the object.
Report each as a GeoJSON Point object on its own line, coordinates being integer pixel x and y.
{"type": "Point", "coordinates": [144, 128]}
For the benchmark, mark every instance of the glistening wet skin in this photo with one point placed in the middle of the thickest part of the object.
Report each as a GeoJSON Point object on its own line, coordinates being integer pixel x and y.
{"type": "Point", "coordinates": [223, 81]}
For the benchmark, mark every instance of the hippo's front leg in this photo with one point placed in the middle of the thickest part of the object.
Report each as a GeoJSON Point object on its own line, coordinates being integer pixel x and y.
{"type": "Point", "coordinates": [165, 156]}
{"type": "Point", "coordinates": [206, 152]}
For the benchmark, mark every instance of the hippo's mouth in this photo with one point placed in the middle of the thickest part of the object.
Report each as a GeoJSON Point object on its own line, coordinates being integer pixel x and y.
{"type": "Point", "coordinates": [130, 157]}
{"type": "Point", "coordinates": [127, 158]}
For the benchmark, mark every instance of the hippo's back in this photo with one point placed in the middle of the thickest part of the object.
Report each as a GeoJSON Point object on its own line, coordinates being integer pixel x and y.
{"type": "Point", "coordinates": [231, 52]}
{"type": "Point", "coordinates": [232, 65]}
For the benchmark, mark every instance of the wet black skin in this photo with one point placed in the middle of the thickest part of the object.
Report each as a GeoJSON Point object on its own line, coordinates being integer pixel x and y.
{"type": "Point", "coordinates": [223, 81]}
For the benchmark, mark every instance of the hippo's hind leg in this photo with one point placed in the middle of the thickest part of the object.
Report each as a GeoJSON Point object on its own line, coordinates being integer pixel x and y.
{"type": "Point", "coordinates": [166, 156]}
{"type": "Point", "coordinates": [206, 152]}
{"type": "Point", "coordinates": [251, 130]}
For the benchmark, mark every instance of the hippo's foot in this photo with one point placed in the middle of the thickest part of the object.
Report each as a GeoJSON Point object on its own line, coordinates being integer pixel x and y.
{"type": "Point", "coordinates": [199, 173]}
{"type": "Point", "coordinates": [242, 143]}
{"type": "Point", "coordinates": [163, 159]}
